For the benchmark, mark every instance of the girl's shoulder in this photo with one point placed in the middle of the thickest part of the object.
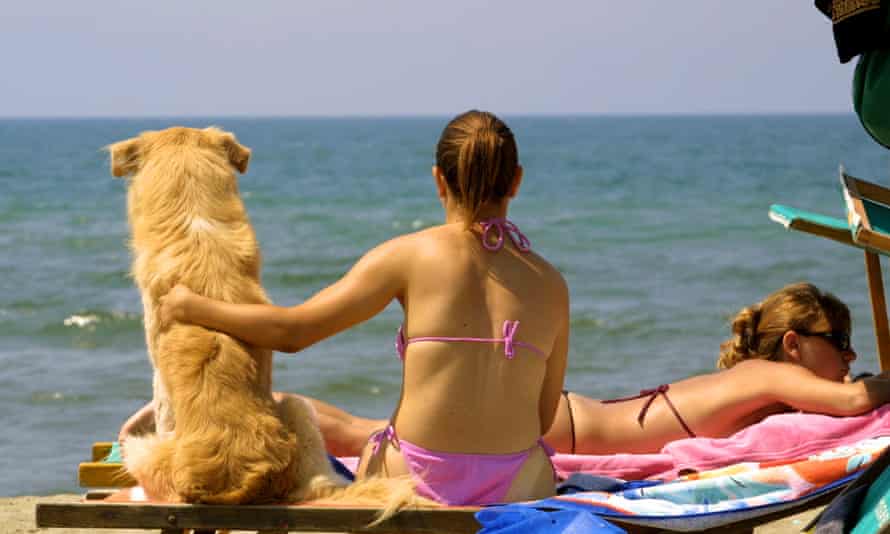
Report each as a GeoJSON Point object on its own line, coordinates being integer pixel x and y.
{"type": "Point", "coordinates": [406, 247]}
{"type": "Point", "coordinates": [418, 238]}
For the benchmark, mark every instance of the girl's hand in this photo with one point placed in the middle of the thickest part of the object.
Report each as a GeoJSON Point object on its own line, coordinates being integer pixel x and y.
{"type": "Point", "coordinates": [141, 422]}
{"type": "Point", "coordinates": [172, 306]}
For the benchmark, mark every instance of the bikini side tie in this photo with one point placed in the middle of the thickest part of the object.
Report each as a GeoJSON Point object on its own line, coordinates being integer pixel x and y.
{"type": "Point", "coordinates": [652, 393]}
{"type": "Point", "coordinates": [387, 434]}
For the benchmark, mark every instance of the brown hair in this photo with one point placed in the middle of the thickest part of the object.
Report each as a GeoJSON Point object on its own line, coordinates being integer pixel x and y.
{"type": "Point", "coordinates": [757, 330]}
{"type": "Point", "coordinates": [478, 156]}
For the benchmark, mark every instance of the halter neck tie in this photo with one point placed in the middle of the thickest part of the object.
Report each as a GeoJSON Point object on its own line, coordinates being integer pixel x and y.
{"type": "Point", "coordinates": [502, 227]}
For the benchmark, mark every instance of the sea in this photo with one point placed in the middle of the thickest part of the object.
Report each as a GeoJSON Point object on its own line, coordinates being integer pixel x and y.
{"type": "Point", "coordinates": [658, 223]}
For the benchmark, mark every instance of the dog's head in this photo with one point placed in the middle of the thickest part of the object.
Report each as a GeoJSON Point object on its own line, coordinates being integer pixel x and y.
{"type": "Point", "coordinates": [129, 157]}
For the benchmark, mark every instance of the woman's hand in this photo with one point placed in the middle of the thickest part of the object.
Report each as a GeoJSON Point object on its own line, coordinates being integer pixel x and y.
{"type": "Point", "coordinates": [172, 306]}
{"type": "Point", "coordinates": [141, 422]}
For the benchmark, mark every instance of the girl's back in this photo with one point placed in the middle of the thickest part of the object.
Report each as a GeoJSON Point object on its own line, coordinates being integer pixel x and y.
{"type": "Point", "coordinates": [481, 396]}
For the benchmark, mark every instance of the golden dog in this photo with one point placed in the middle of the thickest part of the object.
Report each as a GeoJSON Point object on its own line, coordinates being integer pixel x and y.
{"type": "Point", "coordinates": [221, 438]}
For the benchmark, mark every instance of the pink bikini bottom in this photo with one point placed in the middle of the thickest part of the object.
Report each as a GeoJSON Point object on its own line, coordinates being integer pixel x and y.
{"type": "Point", "coordinates": [459, 479]}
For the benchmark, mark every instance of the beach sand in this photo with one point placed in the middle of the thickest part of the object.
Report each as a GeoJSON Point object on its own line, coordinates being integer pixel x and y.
{"type": "Point", "coordinates": [17, 516]}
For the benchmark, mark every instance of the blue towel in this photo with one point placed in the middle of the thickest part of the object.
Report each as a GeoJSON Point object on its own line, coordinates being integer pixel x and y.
{"type": "Point", "coordinates": [341, 469]}
{"type": "Point", "coordinates": [578, 482]}
{"type": "Point", "coordinates": [513, 519]}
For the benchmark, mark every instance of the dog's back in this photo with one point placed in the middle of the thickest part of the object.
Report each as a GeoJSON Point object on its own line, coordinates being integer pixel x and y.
{"type": "Point", "coordinates": [189, 226]}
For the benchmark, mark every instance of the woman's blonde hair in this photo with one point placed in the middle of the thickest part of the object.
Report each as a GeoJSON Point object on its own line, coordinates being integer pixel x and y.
{"type": "Point", "coordinates": [478, 156]}
{"type": "Point", "coordinates": [757, 330]}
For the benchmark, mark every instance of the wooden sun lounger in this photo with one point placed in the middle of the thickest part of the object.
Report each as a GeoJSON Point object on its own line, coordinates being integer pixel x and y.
{"type": "Point", "coordinates": [112, 507]}
{"type": "Point", "coordinates": [867, 227]}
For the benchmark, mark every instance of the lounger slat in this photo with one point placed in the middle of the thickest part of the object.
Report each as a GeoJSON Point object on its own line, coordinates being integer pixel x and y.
{"type": "Point", "coordinates": [291, 518]}
{"type": "Point", "coordinates": [101, 450]}
{"type": "Point", "coordinates": [103, 475]}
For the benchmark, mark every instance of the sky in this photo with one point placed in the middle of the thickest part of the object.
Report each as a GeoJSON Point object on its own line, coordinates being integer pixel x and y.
{"type": "Point", "coordinates": [91, 58]}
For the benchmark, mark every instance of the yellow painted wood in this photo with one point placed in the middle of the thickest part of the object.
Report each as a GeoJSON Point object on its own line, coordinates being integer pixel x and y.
{"type": "Point", "coordinates": [878, 308]}
{"type": "Point", "coordinates": [101, 450]}
{"type": "Point", "coordinates": [103, 475]}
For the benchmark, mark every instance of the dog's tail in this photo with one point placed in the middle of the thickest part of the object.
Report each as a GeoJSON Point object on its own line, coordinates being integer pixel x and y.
{"type": "Point", "coordinates": [149, 459]}
{"type": "Point", "coordinates": [388, 495]}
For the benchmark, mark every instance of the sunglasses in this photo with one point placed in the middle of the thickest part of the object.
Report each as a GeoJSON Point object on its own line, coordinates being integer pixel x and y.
{"type": "Point", "coordinates": [840, 340]}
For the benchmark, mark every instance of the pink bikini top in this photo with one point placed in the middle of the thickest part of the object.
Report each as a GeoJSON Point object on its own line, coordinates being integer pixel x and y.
{"type": "Point", "coordinates": [502, 227]}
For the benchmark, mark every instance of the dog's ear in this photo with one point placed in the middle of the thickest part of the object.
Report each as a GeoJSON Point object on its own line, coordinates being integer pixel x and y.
{"type": "Point", "coordinates": [239, 155]}
{"type": "Point", "coordinates": [125, 156]}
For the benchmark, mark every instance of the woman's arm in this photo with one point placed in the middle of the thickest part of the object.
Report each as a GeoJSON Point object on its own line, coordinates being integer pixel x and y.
{"type": "Point", "coordinates": [141, 422]}
{"type": "Point", "coordinates": [372, 283]}
{"type": "Point", "coordinates": [554, 378]}
{"type": "Point", "coordinates": [801, 389]}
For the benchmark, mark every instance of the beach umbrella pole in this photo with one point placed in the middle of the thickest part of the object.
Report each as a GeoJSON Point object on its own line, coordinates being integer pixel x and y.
{"type": "Point", "coordinates": [878, 308]}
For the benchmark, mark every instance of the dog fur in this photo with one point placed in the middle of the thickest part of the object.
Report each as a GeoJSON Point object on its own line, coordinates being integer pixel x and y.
{"type": "Point", "coordinates": [221, 438]}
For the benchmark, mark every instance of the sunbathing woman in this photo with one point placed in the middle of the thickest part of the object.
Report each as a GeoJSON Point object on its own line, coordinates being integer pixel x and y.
{"type": "Point", "coordinates": [789, 352]}
{"type": "Point", "coordinates": [484, 339]}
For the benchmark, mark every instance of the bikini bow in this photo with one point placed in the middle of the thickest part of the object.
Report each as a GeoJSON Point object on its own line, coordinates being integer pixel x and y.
{"type": "Point", "coordinates": [502, 227]}
{"type": "Point", "coordinates": [510, 328]}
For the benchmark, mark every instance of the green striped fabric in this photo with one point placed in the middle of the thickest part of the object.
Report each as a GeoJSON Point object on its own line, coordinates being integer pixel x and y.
{"type": "Point", "coordinates": [114, 455]}
{"type": "Point", "coordinates": [878, 216]}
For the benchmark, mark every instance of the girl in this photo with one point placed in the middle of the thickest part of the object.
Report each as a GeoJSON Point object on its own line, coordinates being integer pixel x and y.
{"type": "Point", "coordinates": [791, 351]}
{"type": "Point", "coordinates": [484, 339]}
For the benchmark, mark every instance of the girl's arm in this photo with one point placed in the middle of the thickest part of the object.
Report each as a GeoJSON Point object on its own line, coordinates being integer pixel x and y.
{"type": "Point", "coordinates": [799, 388]}
{"type": "Point", "coordinates": [554, 378]}
{"type": "Point", "coordinates": [372, 283]}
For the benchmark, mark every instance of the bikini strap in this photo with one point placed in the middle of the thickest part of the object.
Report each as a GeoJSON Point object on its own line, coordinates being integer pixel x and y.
{"type": "Point", "coordinates": [565, 394]}
{"type": "Point", "coordinates": [401, 342]}
{"type": "Point", "coordinates": [550, 451]}
{"type": "Point", "coordinates": [501, 227]}
{"type": "Point", "coordinates": [509, 341]}
{"type": "Point", "coordinates": [652, 393]}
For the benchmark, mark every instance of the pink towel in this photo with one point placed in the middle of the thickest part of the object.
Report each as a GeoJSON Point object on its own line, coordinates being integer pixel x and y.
{"type": "Point", "coordinates": [779, 437]}
{"type": "Point", "coordinates": [787, 436]}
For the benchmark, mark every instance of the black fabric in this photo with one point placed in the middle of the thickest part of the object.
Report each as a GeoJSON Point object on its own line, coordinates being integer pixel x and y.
{"type": "Point", "coordinates": [840, 516]}
{"type": "Point", "coordinates": [586, 482]}
{"type": "Point", "coordinates": [858, 25]}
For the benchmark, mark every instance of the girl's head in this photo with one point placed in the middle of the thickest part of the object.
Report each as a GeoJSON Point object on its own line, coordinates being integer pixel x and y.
{"type": "Point", "coordinates": [478, 160]}
{"type": "Point", "coordinates": [798, 323]}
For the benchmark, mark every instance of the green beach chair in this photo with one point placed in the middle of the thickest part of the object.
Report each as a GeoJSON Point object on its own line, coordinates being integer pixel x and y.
{"type": "Point", "coordinates": [867, 227]}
